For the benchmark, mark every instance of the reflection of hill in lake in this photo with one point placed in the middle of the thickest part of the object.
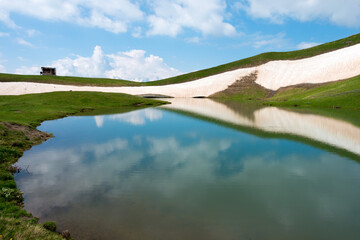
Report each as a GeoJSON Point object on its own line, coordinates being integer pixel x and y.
{"type": "Point", "coordinates": [324, 132]}
{"type": "Point", "coordinates": [161, 175]}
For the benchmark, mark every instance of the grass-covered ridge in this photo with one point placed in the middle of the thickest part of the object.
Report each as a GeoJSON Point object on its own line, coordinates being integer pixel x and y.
{"type": "Point", "coordinates": [244, 63]}
{"type": "Point", "coordinates": [75, 81]}
{"type": "Point", "coordinates": [340, 94]}
{"type": "Point", "coordinates": [19, 115]}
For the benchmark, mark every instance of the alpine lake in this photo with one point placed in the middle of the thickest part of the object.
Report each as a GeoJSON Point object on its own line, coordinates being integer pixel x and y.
{"type": "Point", "coordinates": [198, 169]}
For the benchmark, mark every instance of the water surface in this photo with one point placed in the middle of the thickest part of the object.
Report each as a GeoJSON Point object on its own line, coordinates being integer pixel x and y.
{"type": "Point", "coordinates": [159, 174]}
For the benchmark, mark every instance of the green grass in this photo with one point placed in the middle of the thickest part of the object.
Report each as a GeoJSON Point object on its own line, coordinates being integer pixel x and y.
{"type": "Point", "coordinates": [76, 81]}
{"type": "Point", "coordinates": [32, 109]}
{"type": "Point", "coordinates": [340, 94]}
{"type": "Point", "coordinates": [247, 62]}
{"type": "Point", "coordinates": [19, 115]}
{"type": "Point", "coordinates": [20, 228]}
{"type": "Point", "coordinates": [15, 222]}
{"type": "Point", "coordinates": [244, 90]}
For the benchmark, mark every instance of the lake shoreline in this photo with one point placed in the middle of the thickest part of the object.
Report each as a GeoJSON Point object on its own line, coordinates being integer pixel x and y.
{"type": "Point", "coordinates": [126, 167]}
{"type": "Point", "coordinates": [18, 134]}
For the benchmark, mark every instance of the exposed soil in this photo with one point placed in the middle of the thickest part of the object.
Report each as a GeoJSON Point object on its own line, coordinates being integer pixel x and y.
{"type": "Point", "coordinates": [244, 85]}
{"type": "Point", "coordinates": [306, 86]}
{"type": "Point", "coordinates": [248, 85]}
{"type": "Point", "coordinates": [32, 134]}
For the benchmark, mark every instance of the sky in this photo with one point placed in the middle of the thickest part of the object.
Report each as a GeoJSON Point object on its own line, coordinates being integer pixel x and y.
{"type": "Point", "coordinates": [145, 40]}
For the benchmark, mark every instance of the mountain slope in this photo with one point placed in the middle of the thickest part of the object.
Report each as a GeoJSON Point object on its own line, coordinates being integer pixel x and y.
{"type": "Point", "coordinates": [244, 63]}
{"type": "Point", "coordinates": [339, 94]}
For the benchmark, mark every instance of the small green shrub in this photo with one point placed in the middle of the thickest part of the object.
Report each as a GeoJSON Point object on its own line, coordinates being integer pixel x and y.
{"type": "Point", "coordinates": [50, 226]}
{"type": "Point", "coordinates": [11, 194]}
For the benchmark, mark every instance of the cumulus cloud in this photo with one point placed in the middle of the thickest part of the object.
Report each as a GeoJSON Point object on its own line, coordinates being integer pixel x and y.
{"type": "Point", "coordinates": [93, 66]}
{"type": "Point", "coordinates": [304, 45]}
{"type": "Point", "coordinates": [131, 65]}
{"type": "Point", "coordinates": [344, 13]}
{"type": "Point", "coordinates": [34, 70]}
{"type": "Point", "coordinates": [135, 65]}
{"type": "Point", "coordinates": [111, 15]}
{"type": "Point", "coordinates": [170, 17]}
{"type": "Point", "coordinates": [164, 17]}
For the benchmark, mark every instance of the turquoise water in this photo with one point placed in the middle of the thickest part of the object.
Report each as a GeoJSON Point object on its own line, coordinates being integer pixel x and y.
{"type": "Point", "coordinates": [157, 174]}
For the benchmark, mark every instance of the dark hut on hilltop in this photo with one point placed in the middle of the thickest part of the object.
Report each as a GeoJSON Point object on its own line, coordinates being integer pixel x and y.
{"type": "Point", "coordinates": [48, 71]}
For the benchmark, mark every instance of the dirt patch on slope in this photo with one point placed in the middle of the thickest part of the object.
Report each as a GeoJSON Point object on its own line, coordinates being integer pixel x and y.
{"type": "Point", "coordinates": [245, 86]}
{"type": "Point", "coordinates": [305, 86]}
{"type": "Point", "coordinates": [32, 134]}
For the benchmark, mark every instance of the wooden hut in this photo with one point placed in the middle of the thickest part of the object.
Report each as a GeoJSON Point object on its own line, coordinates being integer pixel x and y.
{"type": "Point", "coordinates": [48, 71]}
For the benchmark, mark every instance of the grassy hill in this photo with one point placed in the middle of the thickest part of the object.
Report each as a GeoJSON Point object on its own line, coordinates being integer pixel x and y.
{"type": "Point", "coordinates": [339, 94]}
{"type": "Point", "coordinates": [244, 63]}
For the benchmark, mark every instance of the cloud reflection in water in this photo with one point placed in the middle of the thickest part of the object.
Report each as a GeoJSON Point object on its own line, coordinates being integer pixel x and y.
{"type": "Point", "coordinates": [134, 118]}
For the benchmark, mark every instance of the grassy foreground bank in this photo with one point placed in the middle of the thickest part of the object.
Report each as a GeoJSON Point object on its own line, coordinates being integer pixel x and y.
{"type": "Point", "coordinates": [244, 63]}
{"type": "Point", "coordinates": [19, 117]}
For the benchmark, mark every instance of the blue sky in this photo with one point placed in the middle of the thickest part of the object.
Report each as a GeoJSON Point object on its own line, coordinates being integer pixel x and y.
{"type": "Point", "coordinates": [146, 40]}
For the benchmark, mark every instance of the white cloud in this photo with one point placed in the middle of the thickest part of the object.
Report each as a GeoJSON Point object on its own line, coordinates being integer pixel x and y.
{"type": "Point", "coordinates": [23, 42]}
{"type": "Point", "coordinates": [111, 15]}
{"type": "Point", "coordinates": [4, 34]}
{"type": "Point", "coordinates": [93, 66]}
{"type": "Point", "coordinates": [170, 17]}
{"type": "Point", "coordinates": [304, 45]}
{"type": "Point", "coordinates": [131, 65]}
{"type": "Point", "coordinates": [135, 65]}
{"type": "Point", "coordinates": [165, 17]}
{"type": "Point", "coordinates": [344, 13]}
{"type": "Point", "coordinates": [28, 70]}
